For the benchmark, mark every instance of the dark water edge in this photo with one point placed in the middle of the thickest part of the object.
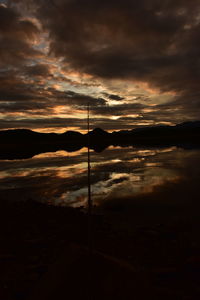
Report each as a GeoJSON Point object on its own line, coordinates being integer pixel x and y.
{"type": "Point", "coordinates": [23, 143]}
{"type": "Point", "coordinates": [23, 151]}
{"type": "Point", "coordinates": [152, 251]}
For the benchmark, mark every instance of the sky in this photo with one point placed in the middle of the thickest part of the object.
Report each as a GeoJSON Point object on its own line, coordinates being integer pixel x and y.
{"type": "Point", "coordinates": [137, 63]}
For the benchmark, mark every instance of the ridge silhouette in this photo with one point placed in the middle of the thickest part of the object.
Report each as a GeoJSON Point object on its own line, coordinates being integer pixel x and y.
{"type": "Point", "coordinates": [25, 143]}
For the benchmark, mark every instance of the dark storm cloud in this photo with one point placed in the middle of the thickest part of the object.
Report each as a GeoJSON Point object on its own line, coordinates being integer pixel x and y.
{"type": "Point", "coordinates": [14, 52]}
{"type": "Point", "coordinates": [16, 35]}
{"type": "Point", "coordinates": [80, 99]}
{"type": "Point", "coordinates": [38, 70]}
{"type": "Point", "coordinates": [42, 123]}
{"type": "Point", "coordinates": [23, 106]}
{"type": "Point", "coordinates": [156, 42]}
{"type": "Point", "coordinates": [113, 97]}
{"type": "Point", "coordinates": [117, 110]}
{"type": "Point", "coordinates": [54, 122]}
{"type": "Point", "coordinates": [148, 40]}
{"type": "Point", "coordinates": [12, 25]}
{"type": "Point", "coordinates": [15, 88]}
{"type": "Point", "coordinates": [186, 107]}
{"type": "Point", "coordinates": [22, 94]}
{"type": "Point", "coordinates": [115, 38]}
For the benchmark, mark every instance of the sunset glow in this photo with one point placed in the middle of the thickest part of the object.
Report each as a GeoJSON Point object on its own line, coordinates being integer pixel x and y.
{"type": "Point", "coordinates": [57, 57]}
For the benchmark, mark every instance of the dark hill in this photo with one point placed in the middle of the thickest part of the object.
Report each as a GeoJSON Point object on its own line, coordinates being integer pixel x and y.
{"type": "Point", "coordinates": [26, 143]}
{"type": "Point", "coordinates": [24, 135]}
{"type": "Point", "coordinates": [71, 134]}
{"type": "Point", "coordinates": [98, 133]}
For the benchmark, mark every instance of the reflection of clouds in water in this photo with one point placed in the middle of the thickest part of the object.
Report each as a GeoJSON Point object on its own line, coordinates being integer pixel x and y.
{"type": "Point", "coordinates": [66, 172]}
{"type": "Point", "coordinates": [132, 184]}
{"type": "Point", "coordinates": [60, 153]}
{"type": "Point", "coordinates": [39, 162]}
{"type": "Point", "coordinates": [120, 185]}
{"type": "Point", "coordinates": [153, 164]}
{"type": "Point", "coordinates": [75, 198]}
{"type": "Point", "coordinates": [61, 178]}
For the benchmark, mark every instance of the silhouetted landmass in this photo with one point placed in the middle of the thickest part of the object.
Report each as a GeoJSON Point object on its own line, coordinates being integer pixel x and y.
{"type": "Point", "coordinates": [24, 143]}
{"type": "Point", "coordinates": [185, 135]}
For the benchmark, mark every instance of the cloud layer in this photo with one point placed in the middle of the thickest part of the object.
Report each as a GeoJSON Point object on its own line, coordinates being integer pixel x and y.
{"type": "Point", "coordinates": [151, 41]}
{"type": "Point", "coordinates": [55, 56]}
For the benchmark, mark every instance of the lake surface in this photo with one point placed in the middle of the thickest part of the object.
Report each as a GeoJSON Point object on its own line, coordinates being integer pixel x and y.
{"type": "Point", "coordinates": [60, 178]}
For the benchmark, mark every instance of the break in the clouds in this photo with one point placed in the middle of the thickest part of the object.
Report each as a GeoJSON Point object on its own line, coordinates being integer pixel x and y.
{"type": "Point", "coordinates": [135, 62]}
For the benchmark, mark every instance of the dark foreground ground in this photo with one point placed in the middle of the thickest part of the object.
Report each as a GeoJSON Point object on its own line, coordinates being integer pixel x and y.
{"type": "Point", "coordinates": [44, 255]}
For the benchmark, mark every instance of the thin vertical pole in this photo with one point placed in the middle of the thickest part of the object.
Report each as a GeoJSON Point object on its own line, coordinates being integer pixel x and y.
{"type": "Point", "coordinates": [90, 244]}
{"type": "Point", "coordinates": [89, 186]}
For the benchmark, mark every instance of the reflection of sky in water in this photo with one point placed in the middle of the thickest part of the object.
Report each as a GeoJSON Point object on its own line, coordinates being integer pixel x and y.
{"type": "Point", "coordinates": [61, 178]}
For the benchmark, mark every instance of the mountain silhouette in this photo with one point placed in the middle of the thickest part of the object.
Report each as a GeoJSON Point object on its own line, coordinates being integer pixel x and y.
{"type": "Point", "coordinates": [25, 143]}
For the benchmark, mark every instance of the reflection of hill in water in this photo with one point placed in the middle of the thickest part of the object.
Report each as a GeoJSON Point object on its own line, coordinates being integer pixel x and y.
{"type": "Point", "coordinates": [23, 143]}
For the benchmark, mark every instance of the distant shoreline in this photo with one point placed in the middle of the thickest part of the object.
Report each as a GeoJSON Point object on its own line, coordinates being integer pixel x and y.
{"type": "Point", "coordinates": [24, 143]}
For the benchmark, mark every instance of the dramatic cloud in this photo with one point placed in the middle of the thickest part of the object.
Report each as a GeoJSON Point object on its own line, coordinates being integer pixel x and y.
{"type": "Point", "coordinates": [17, 36]}
{"type": "Point", "coordinates": [56, 56]}
{"type": "Point", "coordinates": [113, 97]}
{"type": "Point", "coordinates": [145, 40]}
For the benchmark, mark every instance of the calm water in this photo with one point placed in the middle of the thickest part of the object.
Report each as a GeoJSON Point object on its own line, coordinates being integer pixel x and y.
{"type": "Point", "coordinates": [60, 178]}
